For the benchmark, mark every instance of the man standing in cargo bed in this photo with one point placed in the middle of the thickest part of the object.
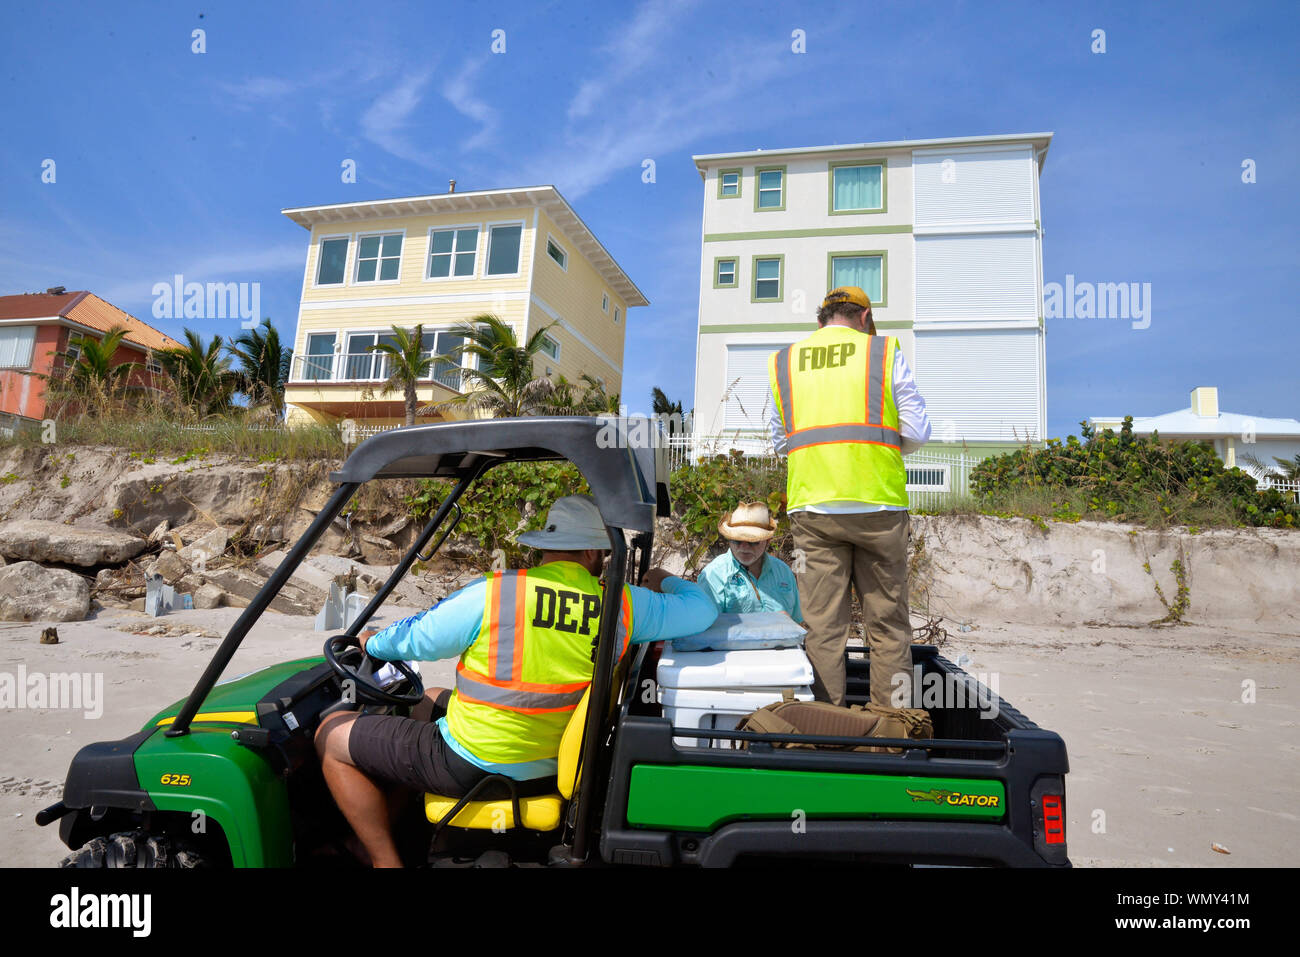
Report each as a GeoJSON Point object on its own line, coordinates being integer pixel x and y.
{"type": "Point", "coordinates": [845, 409]}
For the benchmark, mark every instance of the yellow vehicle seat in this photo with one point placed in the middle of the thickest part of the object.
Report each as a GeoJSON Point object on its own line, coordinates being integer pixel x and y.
{"type": "Point", "coordinates": [542, 812]}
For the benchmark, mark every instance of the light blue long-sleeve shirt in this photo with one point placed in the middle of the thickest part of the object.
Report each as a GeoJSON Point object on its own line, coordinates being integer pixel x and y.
{"type": "Point", "coordinates": [449, 628]}
{"type": "Point", "coordinates": [734, 589]}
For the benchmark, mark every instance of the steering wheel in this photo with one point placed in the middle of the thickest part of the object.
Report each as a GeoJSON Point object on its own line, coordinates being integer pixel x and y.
{"type": "Point", "coordinates": [351, 663]}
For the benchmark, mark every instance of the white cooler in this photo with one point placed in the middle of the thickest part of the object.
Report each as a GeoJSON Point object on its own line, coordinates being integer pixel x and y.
{"type": "Point", "coordinates": [715, 689]}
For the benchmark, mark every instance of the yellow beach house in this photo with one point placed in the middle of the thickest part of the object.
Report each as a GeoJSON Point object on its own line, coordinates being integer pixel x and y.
{"type": "Point", "coordinates": [521, 254]}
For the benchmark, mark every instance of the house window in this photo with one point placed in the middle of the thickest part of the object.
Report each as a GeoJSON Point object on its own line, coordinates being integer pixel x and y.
{"type": "Point", "coordinates": [378, 257]}
{"type": "Point", "coordinates": [604, 302]}
{"type": "Point", "coordinates": [153, 365]}
{"type": "Point", "coordinates": [857, 188]}
{"type": "Point", "coordinates": [864, 270]}
{"type": "Point", "coordinates": [452, 251]}
{"type": "Point", "coordinates": [767, 279]}
{"type": "Point", "coordinates": [725, 274]}
{"type": "Point", "coordinates": [554, 250]}
{"type": "Point", "coordinates": [360, 363]}
{"type": "Point", "coordinates": [932, 478]}
{"type": "Point", "coordinates": [73, 351]}
{"type": "Point", "coordinates": [333, 262]}
{"type": "Point", "coordinates": [728, 183]}
{"type": "Point", "coordinates": [771, 188]}
{"type": "Point", "coordinates": [16, 345]}
{"type": "Point", "coordinates": [318, 364]}
{"type": "Point", "coordinates": [550, 347]}
{"type": "Point", "coordinates": [503, 250]}
{"type": "Point", "coordinates": [446, 370]}
{"type": "Point", "coordinates": [616, 313]}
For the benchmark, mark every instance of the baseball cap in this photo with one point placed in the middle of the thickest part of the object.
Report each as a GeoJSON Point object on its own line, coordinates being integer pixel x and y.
{"type": "Point", "coordinates": [572, 524]}
{"type": "Point", "coordinates": [843, 294]}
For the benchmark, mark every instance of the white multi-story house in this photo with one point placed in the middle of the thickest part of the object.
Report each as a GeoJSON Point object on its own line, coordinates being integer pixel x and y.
{"type": "Point", "coordinates": [944, 235]}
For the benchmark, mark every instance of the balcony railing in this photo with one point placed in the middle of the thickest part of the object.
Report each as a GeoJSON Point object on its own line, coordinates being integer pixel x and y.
{"type": "Point", "coordinates": [363, 368]}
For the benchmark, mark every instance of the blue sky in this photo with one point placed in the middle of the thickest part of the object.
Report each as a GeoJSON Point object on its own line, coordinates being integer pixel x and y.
{"type": "Point", "coordinates": [174, 162]}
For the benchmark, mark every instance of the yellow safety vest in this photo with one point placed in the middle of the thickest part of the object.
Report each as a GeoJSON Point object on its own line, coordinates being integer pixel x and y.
{"type": "Point", "coordinates": [835, 392]}
{"type": "Point", "coordinates": [519, 682]}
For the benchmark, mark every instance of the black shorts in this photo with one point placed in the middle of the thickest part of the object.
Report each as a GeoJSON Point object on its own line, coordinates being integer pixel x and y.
{"type": "Point", "coordinates": [414, 754]}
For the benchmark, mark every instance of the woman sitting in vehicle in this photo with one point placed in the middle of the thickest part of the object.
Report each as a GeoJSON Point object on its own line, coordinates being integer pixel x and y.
{"type": "Point", "coordinates": [745, 578]}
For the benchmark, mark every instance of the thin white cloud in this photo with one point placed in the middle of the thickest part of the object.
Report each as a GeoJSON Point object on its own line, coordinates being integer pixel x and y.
{"type": "Point", "coordinates": [631, 48]}
{"type": "Point", "coordinates": [386, 119]}
{"type": "Point", "coordinates": [260, 89]}
{"type": "Point", "coordinates": [659, 111]}
{"type": "Point", "coordinates": [459, 92]}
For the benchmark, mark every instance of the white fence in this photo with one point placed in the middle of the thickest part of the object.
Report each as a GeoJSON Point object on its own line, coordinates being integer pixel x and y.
{"type": "Point", "coordinates": [933, 478]}
{"type": "Point", "coordinates": [1290, 489]}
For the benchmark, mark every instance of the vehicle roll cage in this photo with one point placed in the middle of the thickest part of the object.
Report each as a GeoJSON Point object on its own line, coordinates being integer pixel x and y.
{"type": "Point", "coordinates": [616, 456]}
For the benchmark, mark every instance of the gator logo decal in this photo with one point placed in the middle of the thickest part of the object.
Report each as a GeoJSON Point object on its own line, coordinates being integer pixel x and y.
{"type": "Point", "coordinates": [954, 798]}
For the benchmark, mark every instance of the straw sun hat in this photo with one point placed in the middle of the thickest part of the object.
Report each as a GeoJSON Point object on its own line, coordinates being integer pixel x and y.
{"type": "Point", "coordinates": [750, 522]}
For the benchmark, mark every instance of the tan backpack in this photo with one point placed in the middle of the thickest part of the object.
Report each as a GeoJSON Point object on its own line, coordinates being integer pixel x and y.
{"type": "Point", "coordinates": [791, 717]}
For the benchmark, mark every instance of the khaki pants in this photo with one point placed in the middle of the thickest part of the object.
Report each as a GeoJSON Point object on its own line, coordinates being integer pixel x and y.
{"type": "Point", "coordinates": [868, 550]}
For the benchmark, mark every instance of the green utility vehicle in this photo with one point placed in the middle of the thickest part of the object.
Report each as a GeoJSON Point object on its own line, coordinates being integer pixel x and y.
{"type": "Point", "coordinates": [228, 776]}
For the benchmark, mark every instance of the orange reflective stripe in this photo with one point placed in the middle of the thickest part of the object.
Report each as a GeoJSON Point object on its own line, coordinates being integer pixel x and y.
{"type": "Point", "coordinates": [522, 685]}
{"type": "Point", "coordinates": [784, 392]}
{"type": "Point", "coordinates": [523, 696]}
{"type": "Point", "coordinates": [626, 619]}
{"type": "Point", "coordinates": [858, 434]}
{"type": "Point", "coordinates": [884, 357]}
{"type": "Point", "coordinates": [521, 590]}
{"type": "Point", "coordinates": [494, 616]}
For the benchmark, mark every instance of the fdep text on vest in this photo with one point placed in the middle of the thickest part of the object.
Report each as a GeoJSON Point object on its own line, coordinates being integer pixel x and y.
{"type": "Point", "coordinates": [521, 679]}
{"type": "Point", "coordinates": [835, 393]}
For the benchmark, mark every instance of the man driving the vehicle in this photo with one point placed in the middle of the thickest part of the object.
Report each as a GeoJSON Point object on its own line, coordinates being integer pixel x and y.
{"type": "Point", "coordinates": [526, 642]}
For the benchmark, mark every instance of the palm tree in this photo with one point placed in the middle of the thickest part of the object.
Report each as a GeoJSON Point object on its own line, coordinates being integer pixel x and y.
{"type": "Point", "coordinates": [408, 363]}
{"type": "Point", "coordinates": [597, 400]}
{"type": "Point", "coordinates": [1289, 469]}
{"type": "Point", "coordinates": [563, 398]}
{"type": "Point", "coordinates": [92, 379]}
{"type": "Point", "coordinates": [506, 384]}
{"type": "Point", "coordinates": [1286, 470]}
{"type": "Point", "coordinates": [671, 412]}
{"type": "Point", "coordinates": [203, 377]}
{"type": "Point", "coordinates": [264, 365]}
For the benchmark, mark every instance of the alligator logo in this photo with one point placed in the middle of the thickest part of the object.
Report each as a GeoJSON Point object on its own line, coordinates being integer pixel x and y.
{"type": "Point", "coordinates": [937, 795]}
{"type": "Point", "coordinates": [955, 798]}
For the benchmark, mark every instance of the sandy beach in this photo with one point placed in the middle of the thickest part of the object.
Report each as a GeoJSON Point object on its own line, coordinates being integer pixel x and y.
{"type": "Point", "coordinates": [1166, 757]}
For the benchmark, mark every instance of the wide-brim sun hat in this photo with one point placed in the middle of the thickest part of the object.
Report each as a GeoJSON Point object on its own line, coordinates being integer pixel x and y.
{"type": "Point", "coordinates": [750, 522]}
{"type": "Point", "coordinates": [572, 525]}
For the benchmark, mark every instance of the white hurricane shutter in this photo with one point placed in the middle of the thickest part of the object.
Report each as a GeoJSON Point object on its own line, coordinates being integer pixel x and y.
{"type": "Point", "coordinates": [980, 385]}
{"type": "Point", "coordinates": [16, 346]}
{"type": "Point", "coordinates": [748, 395]}
{"type": "Point", "coordinates": [981, 276]}
{"type": "Point", "coordinates": [973, 188]}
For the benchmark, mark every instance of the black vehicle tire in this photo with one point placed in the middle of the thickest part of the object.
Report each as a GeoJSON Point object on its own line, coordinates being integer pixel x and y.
{"type": "Point", "coordinates": [136, 849]}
